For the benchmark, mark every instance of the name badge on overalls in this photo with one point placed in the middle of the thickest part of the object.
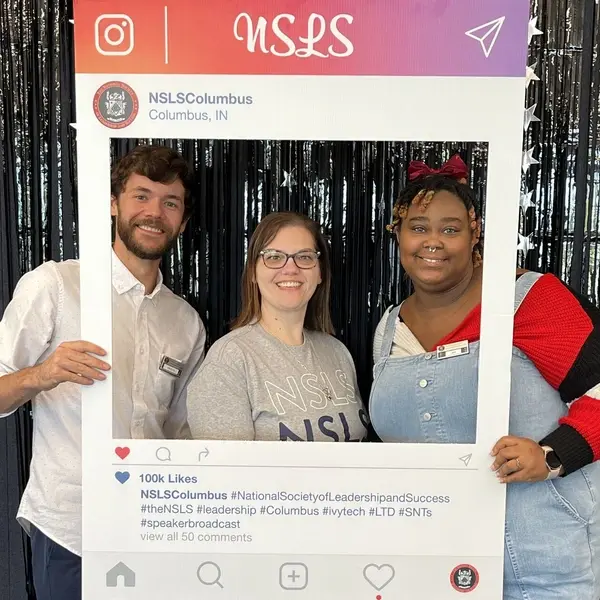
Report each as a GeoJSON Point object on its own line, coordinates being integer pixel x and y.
{"type": "Point", "coordinates": [171, 366]}
{"type": "Point", "coordinates": [452, 350]}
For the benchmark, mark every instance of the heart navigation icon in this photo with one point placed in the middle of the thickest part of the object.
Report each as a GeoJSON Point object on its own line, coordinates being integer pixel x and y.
{"type": "Point", "coordinates": [378, 576]}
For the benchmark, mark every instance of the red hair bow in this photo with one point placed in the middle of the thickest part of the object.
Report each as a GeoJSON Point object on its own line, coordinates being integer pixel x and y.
{"type": "Point", "coordinates": [454, 168]}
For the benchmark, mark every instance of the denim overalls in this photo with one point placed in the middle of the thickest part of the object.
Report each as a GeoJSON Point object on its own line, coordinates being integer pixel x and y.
{"type": "Point", "coordinates": [552, 533]}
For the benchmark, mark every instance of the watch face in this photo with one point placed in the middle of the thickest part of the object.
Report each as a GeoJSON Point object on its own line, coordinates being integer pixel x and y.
{"type": "Point", "coordinates": [553, 461]}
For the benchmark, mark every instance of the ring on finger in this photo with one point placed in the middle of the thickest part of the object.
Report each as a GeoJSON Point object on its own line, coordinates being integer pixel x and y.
{"type": "Point", "coordinates": [518, 463]}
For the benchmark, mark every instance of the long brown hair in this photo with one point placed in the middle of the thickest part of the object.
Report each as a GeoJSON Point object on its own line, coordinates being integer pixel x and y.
{"type": "Point", "coordinates": [318, 315]}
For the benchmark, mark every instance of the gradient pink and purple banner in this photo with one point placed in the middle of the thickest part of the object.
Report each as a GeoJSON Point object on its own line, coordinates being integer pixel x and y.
{"type": "Point", "coordinates": [418, 38]}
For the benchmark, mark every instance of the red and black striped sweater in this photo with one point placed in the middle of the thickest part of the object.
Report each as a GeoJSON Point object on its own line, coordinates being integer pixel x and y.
{"type": "Point", "coordinates": [559, 331]}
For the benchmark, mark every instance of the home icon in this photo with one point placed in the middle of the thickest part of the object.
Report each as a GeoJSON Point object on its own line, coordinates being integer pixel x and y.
{"type": "Point", "coordinates": [120, 570]}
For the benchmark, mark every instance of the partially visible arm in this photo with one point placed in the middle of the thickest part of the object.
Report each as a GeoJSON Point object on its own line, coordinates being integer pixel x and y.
{"type": "Point", "coordinates": [218, 404]}
{"type": "Point", "coordinates": [17, 389]}
{"type": "Point", "coordinates": [26, 331]}
{"type": "Point", "coordinates": [559, 331]}
{"type": "Point", "coordinates": [176, 425]}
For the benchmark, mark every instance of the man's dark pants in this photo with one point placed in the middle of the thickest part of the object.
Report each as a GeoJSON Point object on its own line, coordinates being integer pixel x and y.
{"type": "Point", "coordinates": [56, 571]}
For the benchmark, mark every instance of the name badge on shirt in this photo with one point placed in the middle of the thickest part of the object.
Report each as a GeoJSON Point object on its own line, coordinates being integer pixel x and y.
{"type": "Point", "coordinates": [171, 366]}
{"type": "Point", "coordinates": [452, 350]}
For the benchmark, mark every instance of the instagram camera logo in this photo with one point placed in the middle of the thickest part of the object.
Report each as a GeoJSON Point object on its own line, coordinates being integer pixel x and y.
{"type": "Point", "coordinates": [114, 35]}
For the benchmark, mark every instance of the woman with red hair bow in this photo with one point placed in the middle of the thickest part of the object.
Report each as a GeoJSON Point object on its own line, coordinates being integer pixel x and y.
{"type": "Point", "coordinates": [550, 457]}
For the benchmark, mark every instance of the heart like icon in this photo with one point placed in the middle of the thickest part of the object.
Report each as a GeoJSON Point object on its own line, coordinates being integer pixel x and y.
{"type": "Point", "coordinates": [122, 476]}
{"type": "Point", "coordinates": [122, 453]}
{"type": "Point", "coordinates": [378, 576]}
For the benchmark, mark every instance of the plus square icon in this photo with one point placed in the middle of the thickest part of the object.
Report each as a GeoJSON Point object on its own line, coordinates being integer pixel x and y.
{"type": "Point", "coordinates": [293, 576]}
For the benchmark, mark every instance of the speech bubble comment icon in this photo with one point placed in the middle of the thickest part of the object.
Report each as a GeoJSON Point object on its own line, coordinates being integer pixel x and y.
{"type": "Point", "coordinates": [163, 454]}
{"type": "Point", "coordinates": [209, 573]}
{"type": "Point", "coordinates": [378, 576]}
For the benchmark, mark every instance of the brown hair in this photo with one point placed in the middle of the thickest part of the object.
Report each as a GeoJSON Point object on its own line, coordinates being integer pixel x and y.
{"type": "Point", "coordinates": [157, 163]}
{"type": "Point", "coordinates": [318, 315]}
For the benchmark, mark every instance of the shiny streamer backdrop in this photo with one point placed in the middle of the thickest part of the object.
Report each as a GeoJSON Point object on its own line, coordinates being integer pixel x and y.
{"type": "Point", "coordinates": [240, 180]}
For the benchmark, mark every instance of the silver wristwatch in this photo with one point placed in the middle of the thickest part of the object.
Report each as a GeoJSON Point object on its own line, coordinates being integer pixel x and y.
{"type": "Point", "coordinates": [553, 464]}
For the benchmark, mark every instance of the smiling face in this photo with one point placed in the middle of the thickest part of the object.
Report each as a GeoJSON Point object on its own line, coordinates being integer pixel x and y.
{"type": "Point", "coordinates": [149, 216]}
{"type": "Point", "coordinates": [436, 245]}
{"type": "Point", "coordinates": [289, 288]}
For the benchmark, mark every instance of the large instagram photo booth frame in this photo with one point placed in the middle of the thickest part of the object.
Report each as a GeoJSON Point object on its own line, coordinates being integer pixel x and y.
{"type": "Point", "coordinates": [381, 70]}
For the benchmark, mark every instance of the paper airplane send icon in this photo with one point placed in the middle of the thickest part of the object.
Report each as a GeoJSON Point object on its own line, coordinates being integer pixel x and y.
{"type": "Point", "coordinates": [466, 459]}
{"type": "Point", "coordinates": [487, 34]}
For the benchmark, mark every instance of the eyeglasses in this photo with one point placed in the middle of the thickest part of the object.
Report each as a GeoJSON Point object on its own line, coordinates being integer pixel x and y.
{"type": "Point", "coordinates": [275, 259]}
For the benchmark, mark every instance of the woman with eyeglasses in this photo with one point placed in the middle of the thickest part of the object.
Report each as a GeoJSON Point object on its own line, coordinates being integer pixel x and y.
{"type": "Point", "coordinates": [280, 374]}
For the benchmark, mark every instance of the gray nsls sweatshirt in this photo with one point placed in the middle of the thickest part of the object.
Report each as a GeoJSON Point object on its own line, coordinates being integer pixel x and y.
{"type": "Point", "coordinates": [252, 386]}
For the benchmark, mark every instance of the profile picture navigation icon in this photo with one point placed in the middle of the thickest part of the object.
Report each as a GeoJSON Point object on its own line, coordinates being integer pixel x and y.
{"type": "Point", "coordinates": [464, 578]}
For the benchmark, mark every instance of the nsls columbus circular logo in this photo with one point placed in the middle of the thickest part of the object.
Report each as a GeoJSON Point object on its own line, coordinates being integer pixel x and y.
{"type": "Point", "coordinates": [116, 105]}
{"type": "Point", "coordinates": [464, 578]}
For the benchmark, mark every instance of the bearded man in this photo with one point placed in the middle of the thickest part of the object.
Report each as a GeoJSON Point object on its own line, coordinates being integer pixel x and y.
{"type": "Point", "coordinates": [158, 344]}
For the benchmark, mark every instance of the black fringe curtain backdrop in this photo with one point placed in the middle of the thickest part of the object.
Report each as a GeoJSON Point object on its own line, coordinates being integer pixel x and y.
{"type": "Point", "coordinates": [348, 187]}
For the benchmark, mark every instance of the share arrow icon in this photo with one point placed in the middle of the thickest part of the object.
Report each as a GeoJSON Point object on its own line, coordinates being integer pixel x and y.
{"type": "Point", "coordinates": [487, 34]}
{"type": "Point", "coordinates": [466, 459]}
{"type": "Point", "coordinates": [203, 453]}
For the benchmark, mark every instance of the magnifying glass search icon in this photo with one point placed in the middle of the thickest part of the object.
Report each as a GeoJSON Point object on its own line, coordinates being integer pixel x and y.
{"type": "Point", "coordinates": [163, 454]}
{"type": "Point", "coordinates": [209, 573]}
